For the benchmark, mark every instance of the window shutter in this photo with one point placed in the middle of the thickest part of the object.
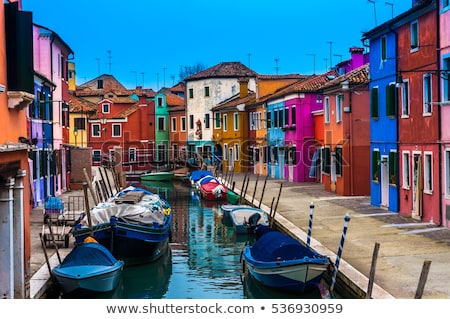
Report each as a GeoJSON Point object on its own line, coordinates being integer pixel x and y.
{"type": "Point", "coordinates": [374, 102]}
{"type": "Point", "coordinates": [390, 100]}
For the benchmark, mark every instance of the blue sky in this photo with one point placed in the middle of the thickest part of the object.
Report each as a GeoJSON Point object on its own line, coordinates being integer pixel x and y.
{"type": "Point", "coordinates": [150, 40]}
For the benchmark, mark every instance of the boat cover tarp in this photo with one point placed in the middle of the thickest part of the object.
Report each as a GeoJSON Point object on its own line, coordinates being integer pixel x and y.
{"type": "Point", "coordinates": [197, 175]}
{"type": "Point", "coordinates": [151, 209]}
{"type": "Point", "coordinates": [208, 179]}
{"type": "Point", "coordinates": [274, 245]}
{"type": "Point", "coordinates": [89, 254]}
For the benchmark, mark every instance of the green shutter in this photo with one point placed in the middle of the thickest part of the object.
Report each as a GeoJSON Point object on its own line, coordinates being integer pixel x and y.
{"type": "Point", "coordinates": [375, 165]}
{"type": "Point", "coordinates": [393, 160]}
{"type": "Point", "coordinates": [390, 100]}
{"type": "Point", "coordinates": [374, 102]}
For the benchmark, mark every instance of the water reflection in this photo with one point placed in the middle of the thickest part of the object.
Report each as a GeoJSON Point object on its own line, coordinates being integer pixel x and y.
{"type": "Point", "coordinates": [204, 261]}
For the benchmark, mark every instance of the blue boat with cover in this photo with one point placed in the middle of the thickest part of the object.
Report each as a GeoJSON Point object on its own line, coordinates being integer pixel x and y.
{"type": "Point", "coordinates": [279, 261]}
{"type": "Point", "coordinates": [89, 267]}
{"type": "Point", "coordinates": [135, 225]}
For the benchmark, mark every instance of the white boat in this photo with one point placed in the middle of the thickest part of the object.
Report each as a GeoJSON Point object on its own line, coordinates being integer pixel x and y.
{"type": "Point", "coordinates": [227, 208]}
{"type": "Point", "coordinates": [246, 219]}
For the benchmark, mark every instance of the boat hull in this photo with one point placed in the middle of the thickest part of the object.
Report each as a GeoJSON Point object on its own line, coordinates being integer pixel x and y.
{"type": "Point", "coordinates": [286, 275]}
{"type": "Point", "coordinates": [240, 217]}
{"type": "Point", "coordinates": [157, 177]}
{"type": "Point", "coordinates": [89, 278]}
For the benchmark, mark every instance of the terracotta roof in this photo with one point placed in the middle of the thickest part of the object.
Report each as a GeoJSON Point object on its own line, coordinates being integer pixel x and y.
{"type": "Point", "coordinates": [235, 100]}
{"type": "Point", "coordinates": [177, 108]}
{"type": "Point", "coordinates": [224, 70]}
{"type": "Point", "coordinates": [125, 113]}
{"type": "Point", "coordinates": [357, 76]}
{"type": "Point", "coordinates": [180, 87]}
{"type": "Point", "coordinates": [281, 76]}
{"type": "Point", "coordinates": [80, 105]}
{"type": "Point", "coordinates": [110, 84]}
{"type": "Point", "coordinates": [174, 100]}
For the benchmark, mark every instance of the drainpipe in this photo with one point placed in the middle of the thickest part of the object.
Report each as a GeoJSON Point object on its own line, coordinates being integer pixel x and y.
{"type": "Point", "coordinates": [19, 237]}
{"type": "Point", "coordinates": [439, 99]}
{"type": "Point", "coordinates": [6, 237]}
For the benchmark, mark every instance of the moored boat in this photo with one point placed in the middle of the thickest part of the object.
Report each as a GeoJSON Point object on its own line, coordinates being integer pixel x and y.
{"type": "Point", "coordinates": [89, 267]}
{"type": "Point", "coordinates": [157, 176]}
{"type": "Point", "coordinates": [246, 219]}
{"type": "Point", "coordinates": [135, 225]}
{"type": "Point", "coordinates": [213, 189]}
{"type": "Point", "coordinates": [279, 261]}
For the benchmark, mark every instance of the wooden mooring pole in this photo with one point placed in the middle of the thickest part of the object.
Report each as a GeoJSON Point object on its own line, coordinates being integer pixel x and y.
{"type": "Point", "coordinates": [263, 190]}
{"type": "Point", "coordinates": [423, 279]}
{"type": "Point", "coordinates": [341, 247]}
{"type": "Point", "coordinates": [372, 271]}
{"type": "Point", "coordinates": [242, 188]}
{"type": "Point", "coordinates": [256, 186]}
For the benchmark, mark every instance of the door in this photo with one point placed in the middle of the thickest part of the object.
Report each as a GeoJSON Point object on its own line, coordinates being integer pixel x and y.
{"type": "Point", "coordinates": [333, 172]}
{"type": "Point", "coordinates": [230, 159]}
{"type": "Point", "coordinates": [417, 186]}
{"type": "Point", "coordinates": [384, 181]}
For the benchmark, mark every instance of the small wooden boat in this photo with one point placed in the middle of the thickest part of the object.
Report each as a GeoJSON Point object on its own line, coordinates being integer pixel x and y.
{"type": "Point", "coordinates": [89, 267]}
{"type": "Point", "coordinates": [198, 175]}
{"type": "Point", "coordinates": [232, 197]}
{"type": "Point", "coordinates": [279, 261]}
{"type": "Point", "coordinates": [227, 208]}
{"type": "Point", "coordinates": [246, 219]}
{"type": "Point", "coordinates": [157, 176]}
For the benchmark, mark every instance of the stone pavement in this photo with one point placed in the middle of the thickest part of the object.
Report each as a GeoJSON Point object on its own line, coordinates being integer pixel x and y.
{"type": "Point", "coordinates": [405, 243]}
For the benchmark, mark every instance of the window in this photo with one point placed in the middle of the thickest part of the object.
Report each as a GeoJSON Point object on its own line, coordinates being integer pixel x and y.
{"type": "Point", "coordinates": [269, 119]}
{"type": "Point", "coordinates": [286, 116]}
{"type": "Point", "coordinates": [427, 93]}
{"type": "Point", "coordinates": [406, 180]}
{"type": "Point", "coordinates": [447, 172]}
{"type": "Point", "coordinates": [383, 49]}
{"type": "Point", "coordinates": [266, 154]}
{"type": "Point", "coordinates": [96, 156]}
{"type": "Point", "coordinates": [105, 108]}
{"type": "Point", "coordinates": [327, 110]}
{"type": "Point", "coordinates": [390, 100]}
{"type": "Point", "coordinates": [160, 102]}
{"type": "Point", "coordinates": [225, 153]}
{"type": "Point", "coordinates": [393, 160]}
{"type": "Point", "coordinates": [132, 154]}
{"type": "Point", "coordinates": [174, 124]}
{"type": "Point", "coordinates": [280, 118]}
{"type": "Point", "coordinates": [183, 124]}
{"type": "Point", "coordinates": [293, 115]}
{"type": "Point", "coordinates": [216, 120]}
{"type": "Point", "coordinates": [326, 163]}
{"type": "Point", "coordinates": [207, 120]}
{"type": "Point", "coordinates": [206, 91]}
{"type": "Point", "coordinates": [175, 150]}
{"type": "Point", "coordinates": [251, 118]}
{"type": "Point", "coordinates": [338, 163]}
{"type": "Point", "coordinates": [79, 123]}
{"type": "Point", "coordinates": [191, 121]}
{"type": "Point", "coordinates": [116, 130]}
{"type": "Point", "coordinates": [161, 123]}
{"type": "Point", "coordinates": [225, 122]}
{"type": "Point", "coordinates": [376, 160]}
{"type": "Point", "coordinates": [236, 121]}
{"type": "Point", "coordinates": [404, 93]}
{"type": "Point", "coordinates": [191, 93]}
{"type": "Point", "coordinates": [446, 80]}
{"type": "Point", "coordinates": [95, 130]}
{"type": "Point", "coordinates": [236, 151]}
{"type": "Point", "coordinates": [374, 102]}
{"type": "Point", "coordinates": [275, 118]}
{"type": "Point", "coordinates": [445, 3]}
{"type": "Point", "coordinates": [414, 29]}
{"type": "Point", "coordinates": [99, 84]}
{"type": "Point", "coordinates": [339, 102]}
{"type": "Point", "coordinates": [428, 172]}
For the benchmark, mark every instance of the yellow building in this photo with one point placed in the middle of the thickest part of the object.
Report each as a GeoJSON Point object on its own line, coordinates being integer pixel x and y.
{"type": "Point", "coordinates": [79, 112]}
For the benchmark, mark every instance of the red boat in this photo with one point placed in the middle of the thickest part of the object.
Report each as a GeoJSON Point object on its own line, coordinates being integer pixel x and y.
{"type": "Point", "coordinates": [214, 190]}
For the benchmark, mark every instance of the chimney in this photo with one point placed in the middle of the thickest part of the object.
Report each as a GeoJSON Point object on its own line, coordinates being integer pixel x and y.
{"type": "Point", "coordinates": [243, 87]}
{"type": "Point", "coordinates": [357, 55]}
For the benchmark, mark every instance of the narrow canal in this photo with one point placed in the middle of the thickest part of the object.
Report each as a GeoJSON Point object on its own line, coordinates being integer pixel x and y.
{"type": "Point", "coordinates": [204, 260]}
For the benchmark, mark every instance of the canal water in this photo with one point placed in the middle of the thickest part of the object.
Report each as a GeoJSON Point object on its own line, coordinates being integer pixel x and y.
{"type": "Point", "coordinates": [204, 260]}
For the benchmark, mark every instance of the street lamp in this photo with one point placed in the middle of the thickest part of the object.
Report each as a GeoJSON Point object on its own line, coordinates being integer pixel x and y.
{"type": "Point", "coordinates": [75, 134]}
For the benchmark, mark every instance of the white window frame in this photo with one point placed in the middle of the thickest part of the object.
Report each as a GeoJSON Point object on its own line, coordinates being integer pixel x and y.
{"type": "Point", "coordinates": [236, 151]}
{"type": "Point", "coordinates": [113, 126]}
{"type": "Point", "coordinates": [225, 122]}
{"type": "Point", "coordinates": [339, 102]}
{"type": "Point", "coordinates": [106, 108]}
{"type": "Point", "coordinates": [164, 123]}
{"type": "Point", "coordinates": [406, 170]}
{"type": "Point", "coordinates": [428, 172]}
{"type": "Point", "coordinates": [236, 121]}
{"type": "Point", "coordinates": [183, 124]}
{"type": "Point", "coordinates": [225, 154]}
{"type": "Point", "coordinates": [217, 121]}
{"type": "Point", "coordinates": [93, 130]}
{"type": "Point", "coordinates": [404, 94]}
{"type": "Point", "coordinates": [132, 154]}
{"type": "Point", "coordinates": [94, 152]}
{"type": "Point", "coordinates": [427, 94]}
{"type": "Point", "coordinates": [174, 124]}
{"type": "Point", "coordinates": [416, 24]}
{"type": "Point", "coordinates": [326, 109]}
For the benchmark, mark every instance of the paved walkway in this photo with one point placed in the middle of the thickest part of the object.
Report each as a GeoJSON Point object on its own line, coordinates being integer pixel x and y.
{"type": "Point", "coordinates": [405, 244]}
